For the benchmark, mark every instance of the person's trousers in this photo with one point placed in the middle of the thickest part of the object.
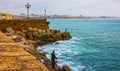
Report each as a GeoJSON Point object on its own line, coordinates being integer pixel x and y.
{"type": "Point", "coordinates": [53, 64]}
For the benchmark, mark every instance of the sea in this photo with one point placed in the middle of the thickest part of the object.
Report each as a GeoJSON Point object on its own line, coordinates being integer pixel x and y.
{"type": "Point", "coordinates": [94, 46]}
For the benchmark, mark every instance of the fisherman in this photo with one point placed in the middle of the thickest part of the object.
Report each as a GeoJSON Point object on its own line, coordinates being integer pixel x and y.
{"type": "Point", "coordinates": [53, 57]}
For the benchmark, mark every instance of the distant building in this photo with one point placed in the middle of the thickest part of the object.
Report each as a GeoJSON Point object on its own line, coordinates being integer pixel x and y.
{"type": "Point", "coordinates": [5, 16]}
{"type": "Point", "coordinates": [23, 15]}
{"type": "Point", "coordinates": [17, 17]}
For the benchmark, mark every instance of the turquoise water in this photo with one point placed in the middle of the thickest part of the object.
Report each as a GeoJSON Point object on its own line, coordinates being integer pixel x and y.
{"type": "Point", "coordinates": [94, 46]}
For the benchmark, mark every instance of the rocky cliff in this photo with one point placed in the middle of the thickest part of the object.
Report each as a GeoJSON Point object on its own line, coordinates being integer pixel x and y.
{"type": "Point", "coordinates": [14, 58]}
{"type": "Point", "coordinates": [29, 34]}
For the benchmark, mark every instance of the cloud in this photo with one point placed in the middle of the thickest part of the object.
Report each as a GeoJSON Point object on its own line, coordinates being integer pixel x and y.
{"type": "Point", "coordinates": [73, 7]}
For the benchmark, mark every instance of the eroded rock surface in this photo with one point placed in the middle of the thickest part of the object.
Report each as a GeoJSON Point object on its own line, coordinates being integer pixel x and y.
{"type": "Point", "coordinates": [14, 58]}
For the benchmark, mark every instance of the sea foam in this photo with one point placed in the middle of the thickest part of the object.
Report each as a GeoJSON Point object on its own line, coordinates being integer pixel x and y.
{"type": "Point", "coordinates": [64, 53]}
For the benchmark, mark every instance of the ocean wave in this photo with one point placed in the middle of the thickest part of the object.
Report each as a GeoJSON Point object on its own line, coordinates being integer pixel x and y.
{"type": "Point", "coordinates": [64, 53]}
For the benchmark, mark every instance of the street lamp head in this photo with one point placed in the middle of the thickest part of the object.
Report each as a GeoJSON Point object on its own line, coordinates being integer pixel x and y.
{"type": "Point", "coordinates": [27, 5]}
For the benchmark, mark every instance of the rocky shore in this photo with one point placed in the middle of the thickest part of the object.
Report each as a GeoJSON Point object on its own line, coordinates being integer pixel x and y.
{"type": "Point", "coordinates": [32, 37]}
{"type": "Point", "coordinates": [14, 58]}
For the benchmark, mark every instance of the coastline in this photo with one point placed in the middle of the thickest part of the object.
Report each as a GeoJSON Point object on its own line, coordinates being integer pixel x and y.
{"type": "Point", "coordinates": [31, 42]}
{"type": "Point", "coordinates": [42, 56]}
{"type": "Point", "coordinates": [13, 57]}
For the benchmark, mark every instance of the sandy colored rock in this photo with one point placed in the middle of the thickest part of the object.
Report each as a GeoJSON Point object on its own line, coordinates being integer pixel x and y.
{"type": "Point", "coordinates": [4, 38]}
{"type": "Point", "coordinates": [44, 31]}
{"type": "Point", "coordinates": [40, 31]}
{"type": "Point", "coordinates": [30, 29]}
{"type": "Point", "coordinates": [35, 29]}
{"type": "Point", "coordinates": [14, 58]}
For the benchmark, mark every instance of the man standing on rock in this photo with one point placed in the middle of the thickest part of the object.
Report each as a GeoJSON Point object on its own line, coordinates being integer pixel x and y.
{"type": "Point", "coordinates": [53, 57]}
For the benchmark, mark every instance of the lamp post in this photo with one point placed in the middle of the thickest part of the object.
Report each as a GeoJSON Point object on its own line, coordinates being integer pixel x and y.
{"type": "Point", "coordinates": [45, 16]}
{"type": "Point", "coordinates": [27, 6]}
{"type": "Point", "coordinates": [45, 13]}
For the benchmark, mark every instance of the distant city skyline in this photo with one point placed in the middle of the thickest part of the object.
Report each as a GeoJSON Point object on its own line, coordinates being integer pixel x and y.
{"type": "Point", "coordinates": [63, 7]}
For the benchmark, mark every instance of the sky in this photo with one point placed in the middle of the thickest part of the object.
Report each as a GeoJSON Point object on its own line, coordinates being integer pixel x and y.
{"type": "Point", "coordinates": [63, 7]}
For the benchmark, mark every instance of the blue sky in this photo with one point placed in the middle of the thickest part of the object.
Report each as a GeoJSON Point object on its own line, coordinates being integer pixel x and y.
{"type": "Point", "coordinates": [64, 7]}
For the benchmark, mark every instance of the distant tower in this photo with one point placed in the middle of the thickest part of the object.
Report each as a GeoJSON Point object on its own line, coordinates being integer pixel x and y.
{"type": "Point", "coordinates": [27, 6]}
{"type": "Point", "coordinates": [45, 13]}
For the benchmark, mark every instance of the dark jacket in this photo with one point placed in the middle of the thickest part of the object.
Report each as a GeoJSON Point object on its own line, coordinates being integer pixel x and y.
{"type": "Point", "coordinates": [53, 57]}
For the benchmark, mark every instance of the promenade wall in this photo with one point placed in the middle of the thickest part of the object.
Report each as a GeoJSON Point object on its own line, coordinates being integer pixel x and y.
{"type": "Point", "coordinates": [19, 25]}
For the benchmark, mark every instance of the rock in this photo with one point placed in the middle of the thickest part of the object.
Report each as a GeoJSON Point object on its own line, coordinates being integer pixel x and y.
{"type": "Point", "coordinates": [52, 31]}
{"type": "Point", "coordinates": [21, 33]}
{"type": "Point", "coordinates": [35, 35]}
{"type": "Point", "coordinates": [35, 29]}
{"type": "Point", "coordinates": [44, 53]}
{"type": "Point", "coordinates": [38, 43]}
{"type": "Point", "coordinates": [40, 31]}
{"type": "Point", "coordinates": [46, 38]}
{"type": "Point", "coordinates": [29, 35]}
{"type": "Point", "coordinates": [48, 31]}
{"type": "Point", "coordinates": [56, 43]}
{"type": "Point", "coordinates": [24, 31]}
{"type": "Point", "coordinates": [66, 68]}
{"type": "Point", "coordinates": [57, 31]}
{"type": "Point", "coordinates": [62, 36]}
{"type": "Point", "coordinates": [30, 29]}
{"type": "Point", "coordinates": [58, 68]}
{"type": "Point", "coordinates": [17, 38]}
{"type": "Point", "coordinates": [31, 42]}
{"type": "Point", "coordinates": [66, 35]}
{"type": "Point", "coordinates": [10, 30]}
{"type": "Point", "coordinates": [44, 31]}
{"type": "Point", "coordinates": [57, 37]}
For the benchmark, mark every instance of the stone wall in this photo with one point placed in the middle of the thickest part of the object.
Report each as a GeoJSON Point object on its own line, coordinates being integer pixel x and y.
{"type": "Point", "coordinates": [19, 25]}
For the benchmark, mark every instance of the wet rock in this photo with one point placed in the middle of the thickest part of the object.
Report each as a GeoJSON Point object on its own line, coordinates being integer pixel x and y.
{"type": "Point", "coordinates": [66, 68]}
{"type": "Point", "coordinates": [44, 54]}
{"type": "Point", "coordinates": [56, 43]}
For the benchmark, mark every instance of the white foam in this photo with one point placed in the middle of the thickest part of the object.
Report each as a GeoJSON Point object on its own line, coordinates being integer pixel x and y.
{"type": "Point", "coordinates": [91, 68]}
{"type": "Point", "coordinates": [63, 49]}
